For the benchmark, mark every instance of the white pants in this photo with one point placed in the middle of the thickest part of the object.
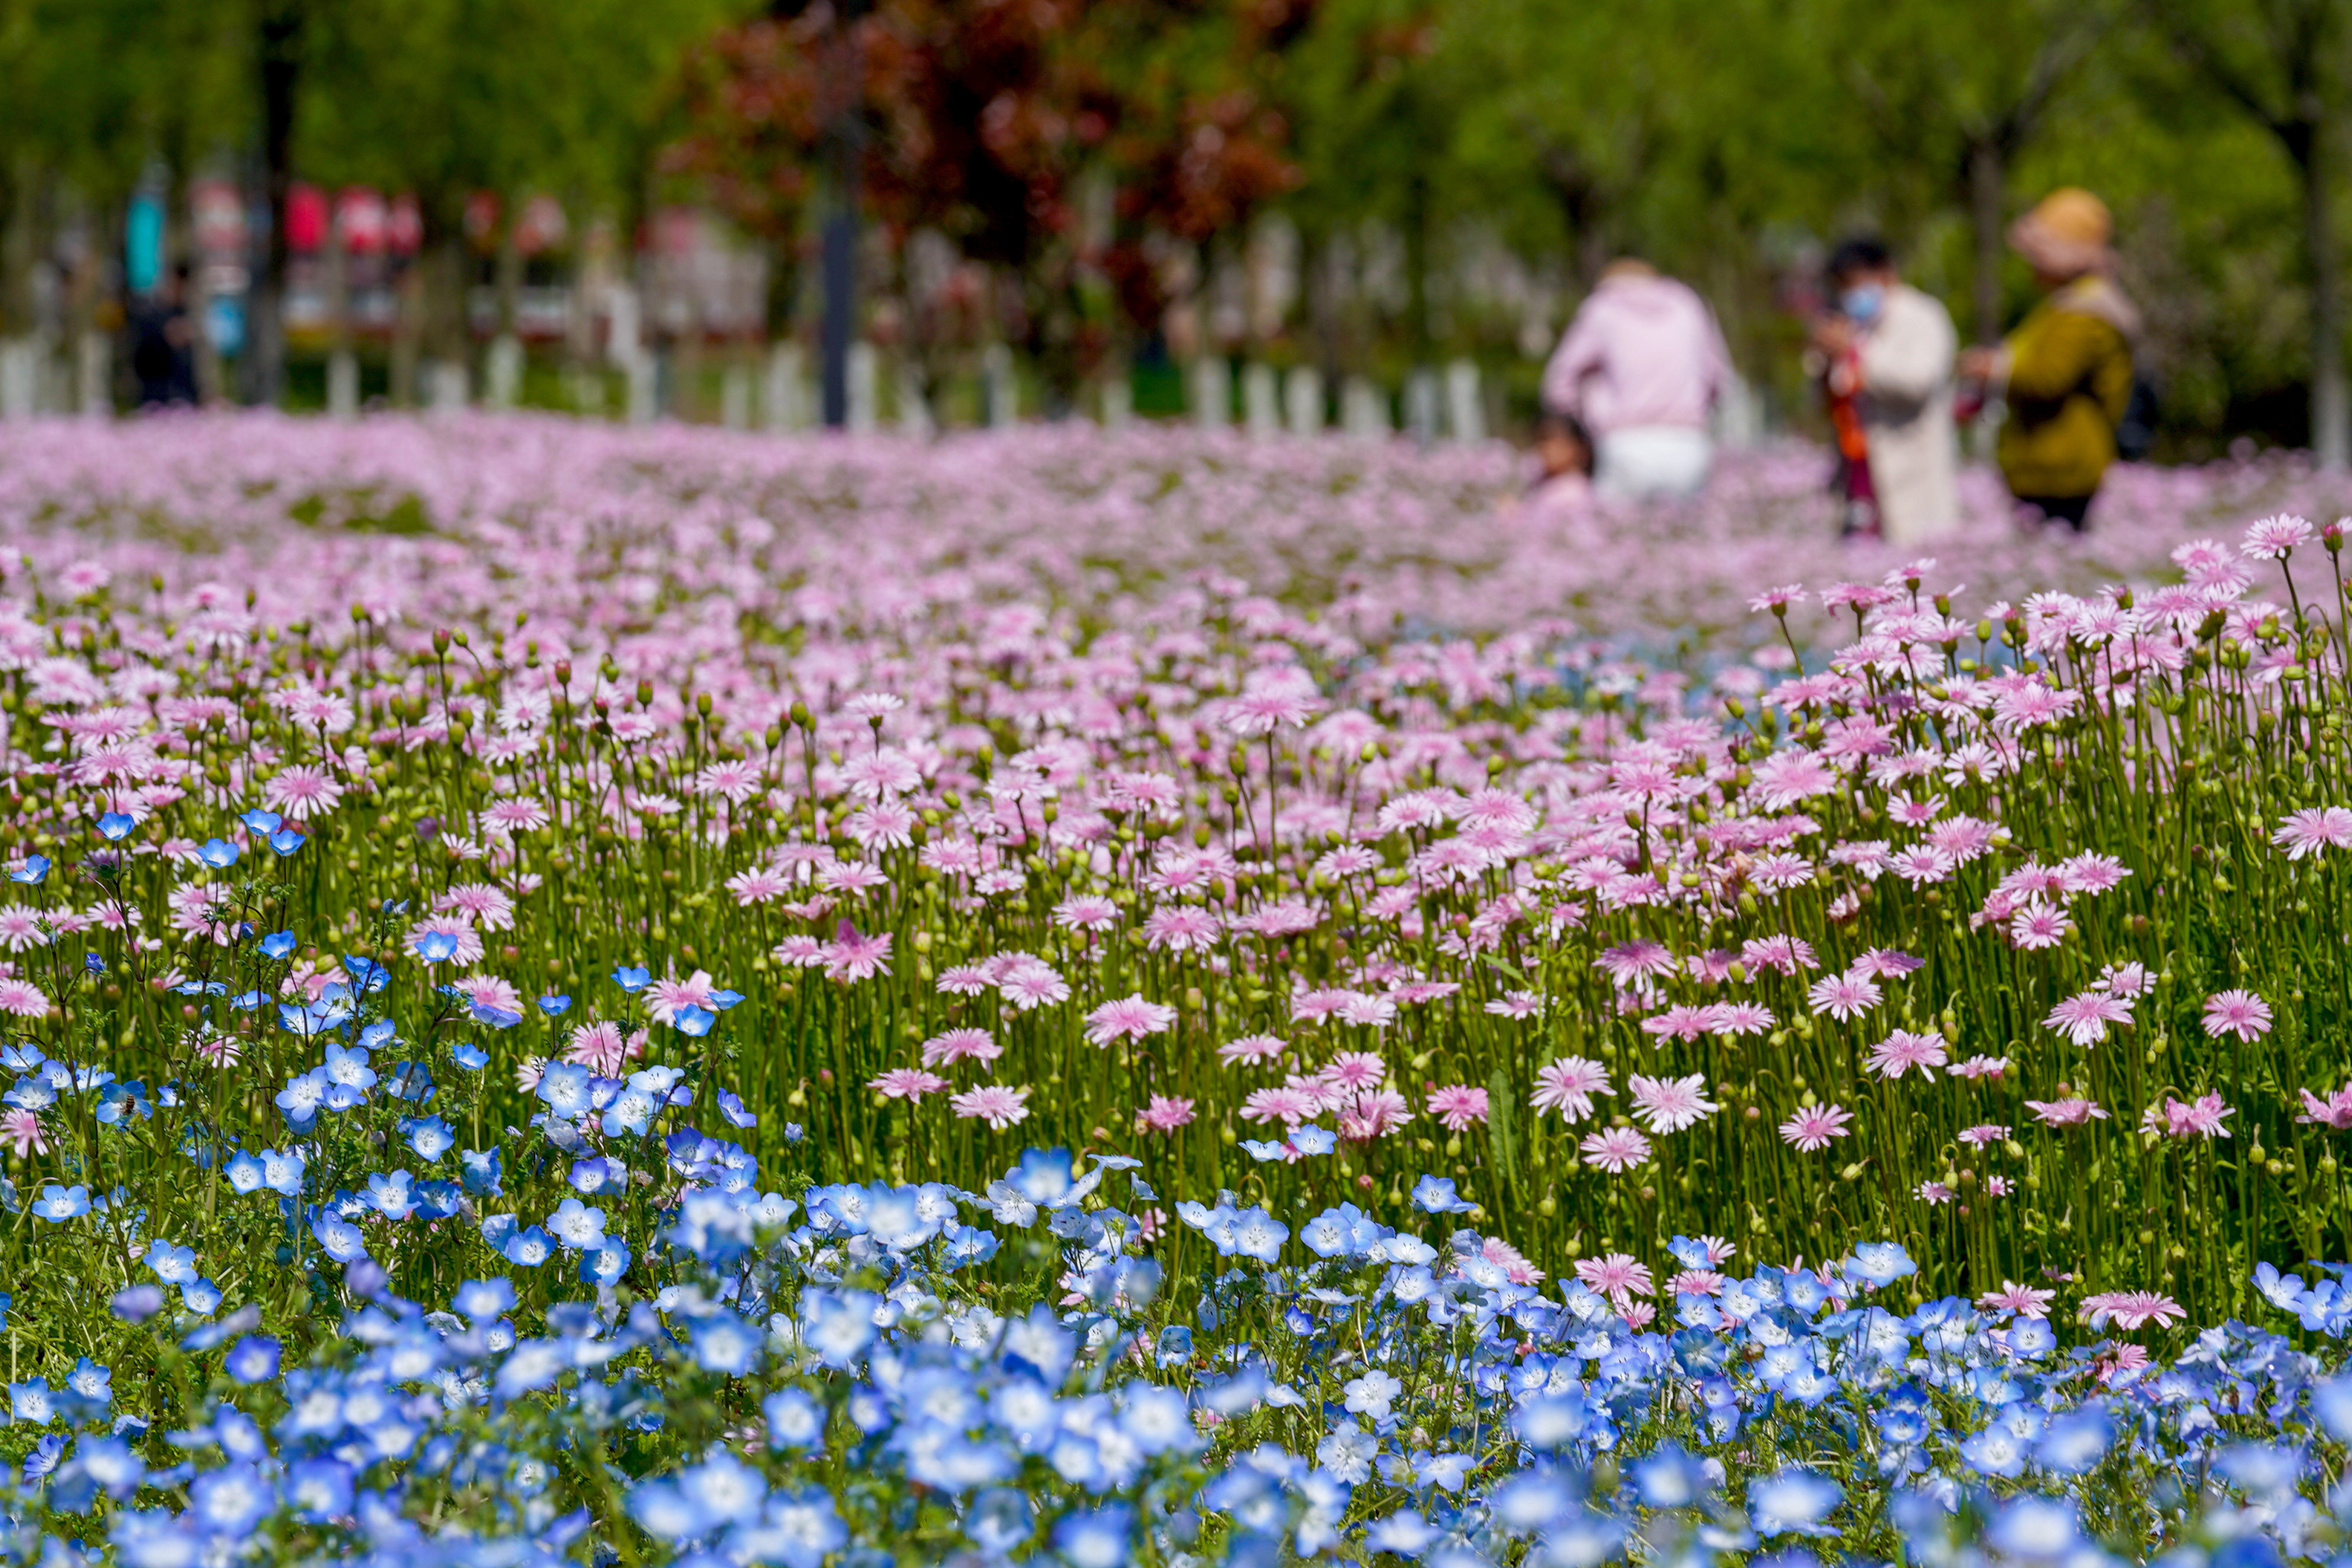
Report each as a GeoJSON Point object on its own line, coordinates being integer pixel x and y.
{"type": "Point", "coordinates": [1653, 462]}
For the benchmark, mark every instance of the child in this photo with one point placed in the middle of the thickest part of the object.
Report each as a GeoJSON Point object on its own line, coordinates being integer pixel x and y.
{"type": "Point", "coordinates": [1564, 455]}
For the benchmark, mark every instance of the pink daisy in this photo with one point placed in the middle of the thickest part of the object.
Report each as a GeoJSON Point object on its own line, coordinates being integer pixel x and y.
{"type": "Point", "coordinates": [2238, 1013]}
{"type": "Point", "coordinates": [1251, 1048]}
{"type": "Point", "coordinates": [2130, 1308]}
{"type": "Point", "coordinates": [2315, 831]}
{"type": "Point", "coordinates": [1614, 1149]}
{"type": "Point", "coordinates": [909, 1083]}
{"type": "Point", "coordinates": [602, 1049]}
{"type": "Point", "coordinates": [1814, 1127]}
{"type": "Point", "coordinates": [1458, 1105]}
{"type": "Point", "coordinates": [1843, 996]}
{"type": "Point", "coordinates": [1164, 1114]}
{"type": "Point", "coordinates": [1904, 1051]}
{"type": "Point", "coordinates": [960, 1045]}
{"type": "Point", "coordinates": [23, 1130]}
{"type": "Point", "coordinates": [1568, 1085]}
{"type": "Point", "coordinates": [999, 1107]}
{"type": "Point", "coordinates": [1130, 1018]}
{"type": "Point", "coordinates": [2084, 1017]}
{"type": "Point", "coordinates": [2334, 1112]}
{"type": "Point", "coordinates": [2072, 1111]}
{"type": "Point", "coordinates": [2023, 1299]}
{"type": "Point", "coordinates": [1670, 1104]}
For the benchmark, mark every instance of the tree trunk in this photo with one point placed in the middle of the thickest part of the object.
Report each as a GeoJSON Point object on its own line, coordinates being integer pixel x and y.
{"type": "Point", "coordinates": [281, 49]}
{"type": "Point", "coordinates": [1987, 193]}
{"type": "Point", "coordinates": [2331, 408]}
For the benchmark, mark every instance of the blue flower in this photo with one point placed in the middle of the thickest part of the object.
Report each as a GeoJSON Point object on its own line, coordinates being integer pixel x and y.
{"type": "Point", "coordinates": [1100, 1539]}
{"type": "Point", "coordinates": [136, 1304]}
{"type": "Point", "coordinates": [31, 1402]}
{"type": "Point", "coordinates": [92, 964]}
{"type": "Point", "coordinates": [484, 1300]}
{"type": "Point", "coordinates": [1794, 1501]}
{"type": "Point", "coordinates": [604, 1265]}
{"type": "Point", "coordinates": [693, 1021]}
{"type": "Point", "coordinates": [172, 1265]}
{"type": "Point", "coordinates": [837, 1325]}
{"type": "Point", "coordinates": [1435, 1194]}
{"type": "Point", "coordinates": [794, 1420]}
{"type": "Point", "coordinates": [732, 1108]}
{"type": "Point", "coordinates": [340, 1238]}
{"type": "Point", "coordinates": [286, 841]}
{"type": "Point", "coordinates": [496, 1017]}
{"type": "Point", "coordinates": [555, 1006]}
{"type": "Point", "coordinates": [244, 1171]}
{"type": "Point", "coordinates": [219, 853]}
{"type": "Point", "coordinates": [231, 1501]}
{"type": "Point", "coordinates": [1314, 1140]}
{"type": "Point", "coordinates": [201, 1297]}
{"type": "Point", "coordinates": [58, 1205]}
{"type": "Point", "coordinates": [1881, 1262]}
{"type": "Point", "coordinates": [480, 1171]}
{"type": "Point", "coordinates": [529, 1248]}
{"type": "Point", "coordinates": [434, 947]}
{"type": "Point", "coordinates": [369, 976]}
{"type": "Point", "coordinates": [34, 868]}
{"type": "Point", "coordinates": [278, 944]}
{"type": "Point", "coordinates": [253, 1360]}
{"type": "Point", "coordinates": [725, 1343]}
{"type": "Point", "coordinates": [319, 1489]}
{"type": "Point", "coordinates": [632, 980]}
{"type": "Point", "coordinates": [469, 1055]}
{"type": "Point", "coordinates": [431, 1137]}
{"type": "Point", "coordinates": [259, 821]}
{"type": "Point", "coordinates": [565, 1086]}
{"type": "Point", "coordinates": [116, 826]}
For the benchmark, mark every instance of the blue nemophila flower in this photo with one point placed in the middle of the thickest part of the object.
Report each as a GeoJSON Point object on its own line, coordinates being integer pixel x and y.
{"type": "Point", "coordinates": [136, 1304]}
{"type": "Point", "coordinates": [116, 826]}
{"type": "Point", "coordinates": [31, 1402]}
{"type": "Point", "coordinates": [110, 1463]}
{"type": "Point", "coordinates": [92, 964]}
{"type": "Point", "coordinates": [496, 1017]}
{"type": "Point", "coordinates": [390, 1194]}
{"type": "Point", "coordinates": [724, 1342]}
{"type": "Point", "coordinates": [282, 1170]}
{"type": "Point", "coordinates": [260, 821]}
{"type": "Point", "coordinates": [34, 868]}
{"type": "Point", "coordinates": [480, 1169]}
{"type": "Point", "coordinates": [201, 1297]}
{"type": "Point", "coordinates": [253, 1359]}
{"type": "Point", "coordinates": [555, 1006]}
{"type": "Point", "coordinates": [319, 1489]}
{"type": "Point", "coordinates": [484, 1300]}
{"type": "Point", "coordinates": [1794, 1501]}
{"type": "Point", "coordinates": [430, 1136]}
{"type": "Point", "coordinates": [337, 1238]}
{"type": "Point", "coordinates": [469, 1055]}
{"type": "Point", "coordinates": [219, 853]}
{"type": "Point", "coordinates": [632, 980]}
{"type": "Point", "coordinates": [575, 1225]}
{"type": "Point", "coordinates": [732, 1110]}
{"type": "Point", "coordinates": [528, 1249]}
{"type": "Point", "coordinates": [58, 1204]}
{"type": "Point", "coordinates": [692, 1021]}
{"type": "Point", "coordinates": [1098, 1538]}
{"type": "Point", "coordinates": [565, 1086]}
{"type": "Point", "coordinates": [1313, 1140]}
{"type": "Point", "coordinates": [286, 840]}
{"type": "Point", "coordinates": [837, 1325]}
{"type": "Point", "coordinates": [604, 1264]}
{"type": "Point", "coordinates": [434, 947]}
{"type": "Point", "coordinates": [172, 1265]}
{"type": "Point", "coordinates": [278, 944]}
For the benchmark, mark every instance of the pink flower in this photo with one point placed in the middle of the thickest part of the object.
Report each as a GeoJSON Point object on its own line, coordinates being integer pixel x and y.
{"type": "Point", "coordinates": [1681, 1023]}
{"type": "Point", "coordinates": [666, 997]}
{"type": "Point", "coordinates": [1568, 1085]}
{"type": "Point", "coordinates": [1515, 1004]}
{"type": "Point", "coordinates": [1131, 1017]}
{"type": "Point", "coordinates": [910, 1083]}
{"type": "Point", "coordinates": [1352, 1072]}
{"type": "Point", "coordinates": [1977, 1068]}
{"type": "Point", "coordinates": [490, 991]}
{"type": "Point", "coordinates": [2315, 831]}
{"type": "Point", "coordinates": [601, 1048]}
{"type": "Point", "coordinates": [2084, 1017]}
{"type": "Point", "coordinates": [1262, 712]}
{"type": "Point", "coordinates": [1181, 928]}
{"type": "Point", "coordinates": [469, 941]}
{"type": "Point", "coordinates": [2334, 1112]}
{"type": "Point", "coordinates": [1740, 1019]}
{"type": "Point", "coordinates": [850, 957]}
{"type": "Point", "coordinates": [2275, 538]}
{"type": "Point", "coordinates": [1287, 1105]}
{"type": "Point", "coordinates": [1843, 996]}
{"type": "Point", "coordinates": [301, 793]}
{"type": "Point", "coordinates": [2039, 925]}
{"type": "Point", "coordinates": [1903, 1051]}
{"type": "Point", "coordinates": [1251, 1048]}
{"type": "Point", "coordinates": [2238, 1013]}
{"type": "Point", "coordinates": [2130, 1308]}
{"type": "Point", "coordinates": [999, 1107]}
{"type": "Point", "coordinates": [1373, 1115]}
{"type": "Point", "coordinates": [1086, 912]}
{"type": "Point", "coordinates": [2073, 1111]}
{"type": "Point", "coordinates": [1614, 1149]}
{"type": "Point", "coordinates": [1695, 1282]}
{"type": "Point", "coordinates": [2201, 1118]}
{"type": "Point", "coordinates": [1164, 1114]}
{"type": "Point", "coordinates": [1814, 1127]}
{"type": "Point", "coordinates": [2023, 1299]}
{"type": "Point", "coordinates": [1934, 1192]}
{"type": "Point", "coordinates": [1033, 984]}
{"type": "Point", "coordinates": [24, 1130]}
{"type": "Point", "coordinates": [1458, 1105]}
{"type": "Point", "coordinates": [1978, 1137]}
{"type": "Point", "coordinates": [1669, 1105]}
{"type": "Point", "coordinates": [960, 1045]}
{"type": "Point", "coordinates": [1617, 1274]}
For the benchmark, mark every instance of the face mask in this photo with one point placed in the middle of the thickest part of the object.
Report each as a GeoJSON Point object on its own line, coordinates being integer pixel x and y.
{"type": "Point", "coordinates": [1862, 303]}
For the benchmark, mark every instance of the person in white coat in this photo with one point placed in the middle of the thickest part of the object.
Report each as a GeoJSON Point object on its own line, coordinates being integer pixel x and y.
{"type": "Point", "coordinates": [1891, 356]}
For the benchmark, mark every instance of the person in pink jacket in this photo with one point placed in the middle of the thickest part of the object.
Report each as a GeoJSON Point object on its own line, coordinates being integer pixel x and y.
{"type": "Point", "coordinates": [1641, 364]}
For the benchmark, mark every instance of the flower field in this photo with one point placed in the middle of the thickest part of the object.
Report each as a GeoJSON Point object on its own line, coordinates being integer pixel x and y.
{"type": "Point", "coordinates": [579, 995]}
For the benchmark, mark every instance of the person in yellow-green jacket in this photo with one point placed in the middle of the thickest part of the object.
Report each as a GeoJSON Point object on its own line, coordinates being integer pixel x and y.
{"type": "Point", "coordinates": [2066, 371]}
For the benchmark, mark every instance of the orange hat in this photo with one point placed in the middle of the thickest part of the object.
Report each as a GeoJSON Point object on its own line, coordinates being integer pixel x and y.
{"type": "Point", "coordinates": [2065, 235]}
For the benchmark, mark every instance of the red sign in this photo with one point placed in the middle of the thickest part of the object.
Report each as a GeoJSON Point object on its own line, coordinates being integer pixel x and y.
{"type": "Point", "coordinates": [362, 219]}
{"type": "Point", "coordinates": [306, 218]}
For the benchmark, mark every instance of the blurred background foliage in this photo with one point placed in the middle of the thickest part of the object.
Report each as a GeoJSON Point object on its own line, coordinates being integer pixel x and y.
{"type": "Point", "coordinates": [1079, 180]}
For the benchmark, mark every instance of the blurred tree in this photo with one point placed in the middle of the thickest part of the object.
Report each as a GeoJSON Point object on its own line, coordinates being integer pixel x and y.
{"type": "Point", "coordinates": [2287, 65]}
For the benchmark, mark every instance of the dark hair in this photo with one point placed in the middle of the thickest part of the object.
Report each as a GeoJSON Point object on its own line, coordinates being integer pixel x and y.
{"type": "Point", "coordinates": [1861, 253]}
{"type": "Point", "coordinates": [1552, 422]}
